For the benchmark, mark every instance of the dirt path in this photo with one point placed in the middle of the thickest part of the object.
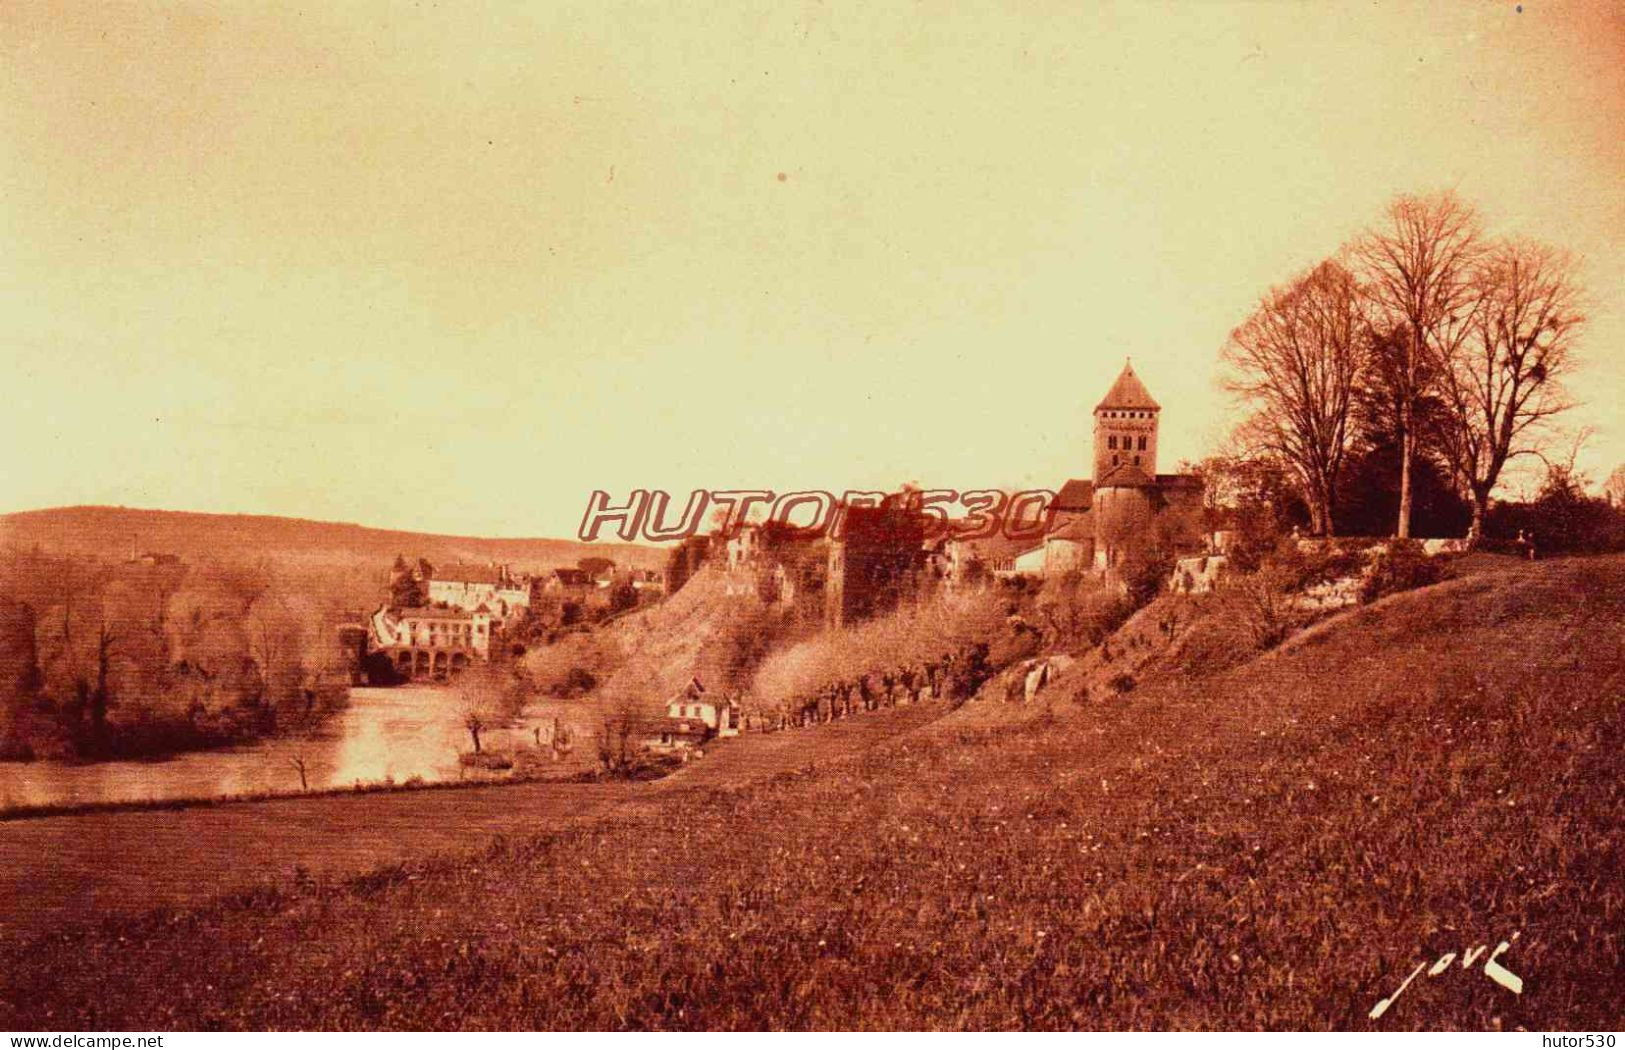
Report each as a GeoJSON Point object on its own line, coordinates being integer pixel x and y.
{"type": "Point", "coordinates": [59, 869]}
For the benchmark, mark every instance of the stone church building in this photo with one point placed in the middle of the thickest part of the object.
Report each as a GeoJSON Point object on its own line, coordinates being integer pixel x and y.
{"type": "Point", "coordinates": [1126, 506]}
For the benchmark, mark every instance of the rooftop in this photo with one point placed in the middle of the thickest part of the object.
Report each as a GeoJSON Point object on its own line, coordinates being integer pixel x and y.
{"type": "Point", "coordinates": [474, 574]}
{"type": "Point", "coordinates": [429, 612]}
{"type": "Point", "coordinates": [1076, 494]}
{"type": "Point", "coordinates": [1128, 392]}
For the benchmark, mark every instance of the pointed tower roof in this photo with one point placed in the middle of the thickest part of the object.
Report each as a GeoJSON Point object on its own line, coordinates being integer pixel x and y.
{"type": "Point", "coordinates": [1128, 392]}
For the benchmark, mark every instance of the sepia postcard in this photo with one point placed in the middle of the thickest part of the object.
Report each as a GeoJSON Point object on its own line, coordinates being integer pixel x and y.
{"type": "Point", "coordinates": [586, 516]}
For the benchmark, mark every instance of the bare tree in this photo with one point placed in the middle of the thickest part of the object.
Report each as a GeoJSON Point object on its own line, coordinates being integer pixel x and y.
{"type": "Point", "coordinates": [1419, 269]}
{"type": "Point", "coordinates": [563, 740]}
{"type": "Point", "coordinates": [617, 734]}
{"type": "Point", "coordinates": [474, 722]}
{"type": "Point", "coordinates": [1296, 360]}
{"type": "Point", "coordinates": [1613, 490]}
{"type": "Point", "coordinates": [1503, 380]}
{"type": "Point", "coordinates": [78, 644]}
{"type": "Point", "coordinates": [489, 697]}
{"type": "Point", "coordinates": [275, 638]}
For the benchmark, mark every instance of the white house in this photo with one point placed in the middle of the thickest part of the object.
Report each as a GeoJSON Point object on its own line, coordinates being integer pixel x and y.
{"type": "Point", "coordinates": [494, 589]}
{"type": "Point", "coordinates": [430, 642]}
{"type": "Point", "coordinates": [692, 718]}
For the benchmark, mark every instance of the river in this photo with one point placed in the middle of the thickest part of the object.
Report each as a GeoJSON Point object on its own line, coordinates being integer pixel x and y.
{"type": "Point", "coordinates": [384, 734]}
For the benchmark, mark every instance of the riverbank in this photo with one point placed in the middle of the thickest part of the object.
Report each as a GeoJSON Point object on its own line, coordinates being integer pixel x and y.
{"type": "Point", "coordinates": [472, 776]}
{"type": "Point", "coordinates": [383, 737]}
{"type": "Point", "coordinates": [171, 804]}
{"type": "Point", "coordinates": [162, 737]}
{"type": "Point", "coordinates": [70, 869]}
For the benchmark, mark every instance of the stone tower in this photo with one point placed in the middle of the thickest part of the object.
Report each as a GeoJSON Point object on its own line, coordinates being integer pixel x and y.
{"type": "Point", "coordinates": [1126, 428]}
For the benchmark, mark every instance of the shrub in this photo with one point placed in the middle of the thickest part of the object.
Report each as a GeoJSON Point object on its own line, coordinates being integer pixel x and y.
{"type": "Point", "coordinates": [574, 665]}
{"type": "Point", "coordinates": [1078, 610]}
{"type": "Point", "coordinates": [1561, 520]}
{"type": "Point", "coordinates": [1145, 573]}
{"type": "Point", "coordinates": [1264, 608]}
{"type": "Point", "coordinates": [1296, 567]}
{"type": "Point", "coordinates": [1402, 566]}
{"type": "Point", "coordinates": [1253, 611]}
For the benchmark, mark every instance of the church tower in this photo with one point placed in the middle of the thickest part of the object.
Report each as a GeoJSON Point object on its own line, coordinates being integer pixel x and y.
{"type": "Point", "coordinates": [1126, 429]}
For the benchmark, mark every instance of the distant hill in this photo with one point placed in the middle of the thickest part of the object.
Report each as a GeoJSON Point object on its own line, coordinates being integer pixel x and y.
{"type": "Point", "coordinates": [118, 532]}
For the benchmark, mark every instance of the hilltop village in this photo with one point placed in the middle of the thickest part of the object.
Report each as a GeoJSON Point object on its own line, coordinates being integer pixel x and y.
{"type": "Point", "coordinates": [1108, 525]}
{"type": "Point", "coordinates": [440, 620]}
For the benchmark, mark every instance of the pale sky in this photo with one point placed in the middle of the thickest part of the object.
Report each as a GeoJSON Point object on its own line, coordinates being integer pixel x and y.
{"type": "Point", "coordinates": [452, 266]}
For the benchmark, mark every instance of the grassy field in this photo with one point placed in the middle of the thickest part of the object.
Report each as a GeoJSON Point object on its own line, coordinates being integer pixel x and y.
{"type": "Point", "coordinates": [55, 868]}
{"type": "Point", "coordinates": [1275, 847]}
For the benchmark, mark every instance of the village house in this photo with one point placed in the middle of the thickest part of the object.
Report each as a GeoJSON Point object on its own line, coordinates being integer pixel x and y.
{"type": "Point", "coordinates": [1029, 562]}
{"type": "Point", "coordinates": [648, 580]}
{"type": "Point", "coordinates": [969, 563]}
{"type": "Point", "coordinates": [743, 560]}
{"type": "Point", "coordinates": [430, 643]}
{"type": "Point", "coordinates": [567, 583]}
{"type": "Point", "coordinates": [693, 717]}
{"type": "Point", "coordinates": [776, 563]}
{"type": "Point", "coordinates": [743, 547]}
{"type": "Point", "coordinates": [494, 589]}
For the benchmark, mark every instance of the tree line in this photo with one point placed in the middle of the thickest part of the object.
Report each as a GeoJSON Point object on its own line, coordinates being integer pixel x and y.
{"type": "Point", "coordinates": [1425, 335]}
{"type": "Point", "coordinates": [105, 659]}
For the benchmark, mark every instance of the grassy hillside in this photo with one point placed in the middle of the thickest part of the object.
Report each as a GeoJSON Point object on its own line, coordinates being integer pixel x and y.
{"type": "Point", "coordinates": [650, 654]}
{"type": "Point", "coordinates": [1278, 846]}
{"type": "Point", "coordinates": [770, 657]}
{"type": "Point", "coordinates": [113, 532]}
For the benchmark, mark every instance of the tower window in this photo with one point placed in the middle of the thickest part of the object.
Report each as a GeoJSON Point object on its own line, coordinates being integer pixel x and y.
{"type": "Point", "coordinates": [1142, 442]}
{"type": "Point", "coordinates": [1111, 442]}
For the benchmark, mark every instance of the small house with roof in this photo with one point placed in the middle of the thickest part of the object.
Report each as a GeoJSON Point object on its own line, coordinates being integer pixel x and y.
{"type": "Point", "coordinates": [694, 717]}
{"type": "Point", "coordinates": [568, 583]}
